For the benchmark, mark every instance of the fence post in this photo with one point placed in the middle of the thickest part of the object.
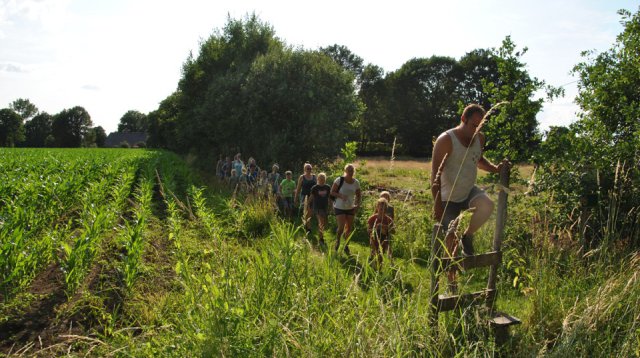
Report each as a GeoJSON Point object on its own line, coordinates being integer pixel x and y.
{"type": "Point", "coordinates": [501, 219]}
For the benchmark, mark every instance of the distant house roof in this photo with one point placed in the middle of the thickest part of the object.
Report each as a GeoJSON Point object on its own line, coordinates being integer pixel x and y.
{"type": "Point", "coordinates": [114, 139]}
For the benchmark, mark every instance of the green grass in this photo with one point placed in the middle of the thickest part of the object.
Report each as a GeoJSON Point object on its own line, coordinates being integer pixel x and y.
{"type": "Point", "coordinates": [212, 274]}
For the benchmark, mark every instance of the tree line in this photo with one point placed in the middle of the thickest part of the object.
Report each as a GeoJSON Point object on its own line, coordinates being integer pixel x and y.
{"type": "Point", "coordinates": [248, 91]}
{"type": "Point", "coordinates": [23, 125]}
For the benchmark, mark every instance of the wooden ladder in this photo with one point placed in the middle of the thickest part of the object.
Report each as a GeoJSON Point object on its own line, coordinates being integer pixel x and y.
{"type": "Point", "coordinates": [499, 321]}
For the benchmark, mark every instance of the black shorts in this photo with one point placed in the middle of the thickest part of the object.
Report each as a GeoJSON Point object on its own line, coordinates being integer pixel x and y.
{"type": "Point", "coordinates": [452, 209]}
{"type": "Point", "coordinates": [320, 211]}
{"type": "Point", "coordinates": [350, 212]}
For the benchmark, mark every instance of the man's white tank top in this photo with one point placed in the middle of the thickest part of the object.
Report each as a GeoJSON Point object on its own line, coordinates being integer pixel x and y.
{"type": "Point", "coordinates": [460, 164]}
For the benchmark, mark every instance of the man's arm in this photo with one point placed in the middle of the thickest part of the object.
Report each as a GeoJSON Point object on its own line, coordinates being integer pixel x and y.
{"type": "Point", "coordinates": [296, 192]}
{"type": "Point", "coordinates": [440, 149]}
{"type": "Point", "coordinates": [484, 163]}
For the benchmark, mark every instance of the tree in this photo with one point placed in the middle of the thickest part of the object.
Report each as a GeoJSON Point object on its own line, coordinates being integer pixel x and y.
{"type": "Point", "coordinates": [346, 59]}
{"type": "Point", "coordinates": [100, 136]}
{"type": "Point", "coordinates": [162, 123]}
{"type": "Point", "coordinates": [70, 127]}
{"type": "Point", "coordinates": [476, 67]}
{"type": "Point", "coordinates": [24, 108]}
{"type": "Point", "coordinates": [513, 132]}
{"type": "Point", "coordinates": [38, 129]}
{"type": "Point", "coordinates": [299, 106]}
{"type": "Point", "coordinates": [422, 101]}
{"type": "Point", "coordinates": [375, 125]}
{"type": "Point", "coordinates": [133, 121]}
{"type": "Point", "coordinates": [209, 93]}
{"type": "Point", "coordinates": [598, 170]}
{"type": "Point", "coordinates": [11, 128]}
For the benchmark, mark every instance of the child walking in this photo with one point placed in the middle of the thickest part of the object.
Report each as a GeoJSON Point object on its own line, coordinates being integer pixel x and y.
{"type": "Point", "coordinates": [287, 187]}
{"type": "Point", "coordinates": [379, 226]}
{"type": "Point", "coordinates": [391, 213]}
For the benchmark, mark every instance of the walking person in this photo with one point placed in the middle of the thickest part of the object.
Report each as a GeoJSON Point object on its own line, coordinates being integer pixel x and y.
{"type": "Point", "coordinates": [347, 194]}
{"type": "Point", "coordinates": [287, 188]}
{"type": "Point", "coordinates": [379, 226]}
{"type": "Point", "coordinates": [319, 201]}
{"type": "Point", "coordinates": [237, 164]}
{"type": "Point", "coordinates": [463, 147]}
{"type": "Point", "coordinates": [306, 181]}
{"type": "Point", "coordinates": [219, 171]}
{"type": "Point", "coordinates": [390, 211]}
{"type": "Point", "coordinates": [274, 179]}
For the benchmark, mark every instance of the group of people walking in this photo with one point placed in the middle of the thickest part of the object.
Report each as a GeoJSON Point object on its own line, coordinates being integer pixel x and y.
{"type": "Point", "coordinates": [311, 196]}
{"type": "Point", "coordinates": [457, 155]}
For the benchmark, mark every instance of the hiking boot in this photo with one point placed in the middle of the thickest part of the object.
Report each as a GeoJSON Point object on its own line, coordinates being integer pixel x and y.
{"type": "Point", "coordinates": [467, 245]}
{"type": "Point", "coordinates": [452, 289]}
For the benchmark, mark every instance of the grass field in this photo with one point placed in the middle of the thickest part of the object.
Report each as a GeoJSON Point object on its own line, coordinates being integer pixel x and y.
{"type": "Point", "coordinates": [132, 253]}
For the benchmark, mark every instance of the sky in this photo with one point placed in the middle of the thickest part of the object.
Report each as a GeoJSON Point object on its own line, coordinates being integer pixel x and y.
{"type": "Point", "coordinates": [111, 56]}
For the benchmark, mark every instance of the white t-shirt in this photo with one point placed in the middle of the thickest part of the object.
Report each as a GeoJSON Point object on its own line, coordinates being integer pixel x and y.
{"type": "Point", "coordinates": [350, 191]}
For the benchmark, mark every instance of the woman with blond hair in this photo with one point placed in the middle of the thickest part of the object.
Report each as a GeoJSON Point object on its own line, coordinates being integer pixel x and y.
{"type": "Point", "coordinates": [347, 194]}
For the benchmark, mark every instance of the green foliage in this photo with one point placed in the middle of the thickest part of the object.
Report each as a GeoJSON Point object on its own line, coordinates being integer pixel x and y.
{"type": "Point", "coordinates": [246, 91]}
{"type": "Point", "coordinates": [513, 132]}
{"type": "Point", "coordinates": [349, 152]}
{"type": "Point", "coordinates": [99, 135]}
{"type": "Point", "coordinates": [70, 126]}
{"type": "Point", "coordinates": [37, 130]}
{"type": "Point", "coordinates": [24, 108]}
{"type": "Point", "coordinates": [133, 121]}
{"type": "Point", "coordinates": [11, 128]}
{"type": "Point", "coordinates": [346, 59]}
{"type": "Point", "coordinates": [593, 165]}
{"type": "Point", "coordinates": [421, 101]}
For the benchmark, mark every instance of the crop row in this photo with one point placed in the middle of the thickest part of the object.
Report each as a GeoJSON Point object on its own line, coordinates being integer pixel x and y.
{"type": "Point", "coordinates": [57, 204]}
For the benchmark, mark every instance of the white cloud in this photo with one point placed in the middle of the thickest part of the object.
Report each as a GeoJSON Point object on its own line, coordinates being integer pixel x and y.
{"type": "Point", "coordinates": [11, 67]}
{"type": "Point", "coordinates": [90, 87]}
{"type": "Point", "coordinates": [48, 13]}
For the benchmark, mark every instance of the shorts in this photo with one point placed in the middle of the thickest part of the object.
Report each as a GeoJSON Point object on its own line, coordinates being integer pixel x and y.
{"type": "Point", "coordinates": [320, 211]}
{"type": "Point", "coordinates": [287, 202]}
{"type": "Point", "coordinates": [350, 212]}
{"type": "Point", "coordinates": [375, 241]}
{"type": "Point", "coordinates": [452, 209]}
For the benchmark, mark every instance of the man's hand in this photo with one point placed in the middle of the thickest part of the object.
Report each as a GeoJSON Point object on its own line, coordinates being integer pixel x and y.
{"type": "Point", "coordinates": [438, 210]}
{"type": "Point", "coordinates": [502, 164]}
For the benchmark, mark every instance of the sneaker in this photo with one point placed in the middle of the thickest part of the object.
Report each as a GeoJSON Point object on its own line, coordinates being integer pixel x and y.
{"type": "Point", "coordinates": [467, 245]}
{"type": "Point", "coordinates": [346, 250]}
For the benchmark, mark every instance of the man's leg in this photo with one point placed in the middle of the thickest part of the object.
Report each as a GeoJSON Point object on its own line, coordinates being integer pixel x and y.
{"type": "Point", "coordinates": [484, 208]}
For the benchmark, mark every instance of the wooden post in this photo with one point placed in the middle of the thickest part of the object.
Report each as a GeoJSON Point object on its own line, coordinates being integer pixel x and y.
{"type": "Point", "coordinates": [501, 219]}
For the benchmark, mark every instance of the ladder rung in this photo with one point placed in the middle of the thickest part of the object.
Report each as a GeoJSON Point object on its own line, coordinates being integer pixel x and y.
{"type": "Point", "coordinates": [448, 303]}
{"type": "Point", "coordinates": [501, 319]}
{"type": "Point", "coordinates": [468, 262]}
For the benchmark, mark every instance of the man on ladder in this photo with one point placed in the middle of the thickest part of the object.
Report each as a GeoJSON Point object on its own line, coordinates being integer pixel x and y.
{"type": "Point", "coordinates": [461, 149]}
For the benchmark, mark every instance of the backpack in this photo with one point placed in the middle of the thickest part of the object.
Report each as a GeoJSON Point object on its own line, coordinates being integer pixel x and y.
{"type": "Point", "coordinates": [340, 184]}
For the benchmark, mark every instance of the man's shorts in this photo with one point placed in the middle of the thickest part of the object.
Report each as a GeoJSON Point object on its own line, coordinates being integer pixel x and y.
{"type": "Point", "coordinates": [453, 209]}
